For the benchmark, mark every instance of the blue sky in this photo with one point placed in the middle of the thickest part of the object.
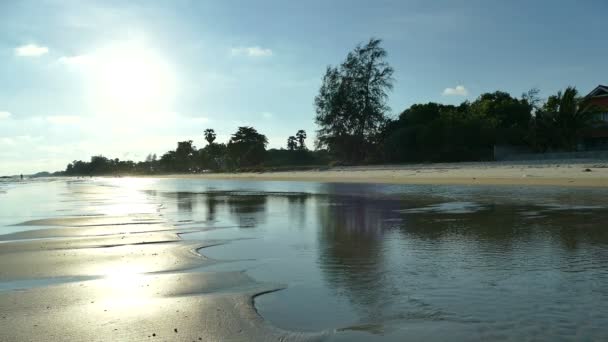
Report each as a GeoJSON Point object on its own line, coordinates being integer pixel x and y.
{"type": "Point", "coordinates": [125, 79]}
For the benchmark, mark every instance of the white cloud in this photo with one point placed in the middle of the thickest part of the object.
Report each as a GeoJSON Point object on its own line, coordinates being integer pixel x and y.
{"type": "Point", "coordinates": [4, 115]}
{"type": "Point", "coordinates": [78, 60]}
{"type": "Point", "coordinates": [267, 115]}
{"type": "Point", "coordinates": [31, 50]}
{"type": "Point", "coordinates": [253, 51]}
{"type": "Point", "coordinates": [459, 90]}
{"type": "Point", "coordinates": [63, 119]}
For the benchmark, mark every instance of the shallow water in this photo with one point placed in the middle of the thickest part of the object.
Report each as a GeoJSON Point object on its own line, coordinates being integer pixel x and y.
{"type": "Point", "coordinates": [378, 261]}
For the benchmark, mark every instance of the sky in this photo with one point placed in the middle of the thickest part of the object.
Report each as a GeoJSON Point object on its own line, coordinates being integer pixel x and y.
{"type": "Point", "coordinates": [128, 78]}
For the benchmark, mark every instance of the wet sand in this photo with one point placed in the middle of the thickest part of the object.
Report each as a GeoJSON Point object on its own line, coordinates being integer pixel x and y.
{"type": "Point", "coordinates": [567, 173]}
{"type": "Point", "coordinates": [132, 259]}
{"type": "Point", "coordinates": [123, 278]}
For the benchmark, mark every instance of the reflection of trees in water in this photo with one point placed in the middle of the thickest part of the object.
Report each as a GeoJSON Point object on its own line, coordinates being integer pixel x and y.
{"type": "Point", "coordinates": [248, 210]}
{"type": "Point", "coordinates": [576, 229]}
{"type": "Point", "coordinates": [297, 208]}
{"type": "Point", "coordinates": [211, 203]}
{"type": "Point", "coordinates": [507, 237]}
{"type": "Point", "coordinates": [351, 249]}
{"type": "Point", "coordinates": [185, 201]}
{"type": "Point", "coordinates": [360, 259]}
{"type": "Point", "coordinates": [500, 227]}
{"type": "Point", "coordinates": [297, 199]}
{"type": "Point", "coordinates": [493, 227]}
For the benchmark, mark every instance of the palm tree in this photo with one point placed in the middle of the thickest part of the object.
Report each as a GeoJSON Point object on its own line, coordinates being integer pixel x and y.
{"type": "Point", "coordinates": [300, 137]}
{"type": "Point", "coordinates": [563, 116]}
{"type": "Point", "coordinates": [210, 136]}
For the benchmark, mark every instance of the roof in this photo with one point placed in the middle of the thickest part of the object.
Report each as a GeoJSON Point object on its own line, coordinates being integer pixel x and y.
{"type": "Point", "coordinates": [600, 90]}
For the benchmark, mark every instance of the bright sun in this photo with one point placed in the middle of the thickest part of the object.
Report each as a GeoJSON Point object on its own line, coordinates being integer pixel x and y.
{"type": "Point", "coordinates": [131, 81]}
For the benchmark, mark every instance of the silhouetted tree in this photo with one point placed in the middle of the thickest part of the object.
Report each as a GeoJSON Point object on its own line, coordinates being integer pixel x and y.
{"type": "Point", "coordinates": [532, 98]}
{"type": "Point", "coordinates": [247, 147]}
{"type": "Point", "coordinates": [213, 157]}
{"type": "Point", "coordinates": [351, 103]}
{"type": "Point", "coordinates": [184, 156]}
{"type": "Point", "coordinates": [210, 136]}
{"type": "Point", "coordinates": [301, 137]}
{"type": "Point", "coordinates": [292, 143]}
{"type": "Point", "coordinates": [168, 161]}
{"type": "Point", "coordinates": [100, 165]}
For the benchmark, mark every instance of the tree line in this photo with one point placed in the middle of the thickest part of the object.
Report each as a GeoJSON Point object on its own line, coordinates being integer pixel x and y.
{"type": "Point", "coordinates": [352, 109]}
{"type": "Point", "coordinates": [245, 151]}
{"type": "Point", "coordinates": [355, 128]}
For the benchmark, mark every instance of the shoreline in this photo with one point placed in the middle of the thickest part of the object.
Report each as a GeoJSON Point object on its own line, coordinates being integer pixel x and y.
{"type": "Point", "coordinates": [122, 276]}
{"type": "Point", "coordinates": [568, 174]}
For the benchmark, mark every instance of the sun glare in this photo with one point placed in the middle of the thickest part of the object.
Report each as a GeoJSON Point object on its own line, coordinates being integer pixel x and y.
{"type": "Point", "coordinates": [125, 287]}
{"type": "Point", "coordinates": [129, 81]}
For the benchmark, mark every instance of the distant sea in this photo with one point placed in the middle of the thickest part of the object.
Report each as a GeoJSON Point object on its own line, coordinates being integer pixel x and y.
{"type": "Point", "coordinates": [5, 183]}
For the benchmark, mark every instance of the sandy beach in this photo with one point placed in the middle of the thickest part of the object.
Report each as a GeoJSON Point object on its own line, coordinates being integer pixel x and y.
{"type": "Point", "coordinates": [180, 259]}
{"type": "Point", "coordinates": [88, 275]}
{"type": "Point", "coordinates": [540, 173]}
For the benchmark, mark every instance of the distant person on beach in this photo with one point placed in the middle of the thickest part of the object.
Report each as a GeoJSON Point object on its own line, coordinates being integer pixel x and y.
{"type": "Point", "coordinates": [21, 176]}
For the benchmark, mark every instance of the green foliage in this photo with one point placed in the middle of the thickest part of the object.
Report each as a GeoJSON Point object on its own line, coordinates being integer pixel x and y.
{"type": "Point", "coordinates": [351, 104]}
{"type": "Point", "coordinates": [210, 136]}
{"type": "Point", "coordinates": [247, 147]}
{"type": "Point", "coordinates": [508, 116]}
{"type": "Point", "coordinates": [100, 165]}
{"type": "Point", "coordinates": [301, 139]}
{"type": "Point", "coordinates": [213, 157]}
{"type": "Point", "coordinates": [185, 156]}
{"type": "Point", "coordinates": [297, 142]}
{"type": "Point", "coordinates": [292, 143]}
{"type": "Point", "coordinates": [559, 122]}
{"type": "Point", "coordinates": [289, 158]}
{"type": "Point", "coordinates": [436, 132]}
{"type": "Point", "coordinates": [351, 109]}
{"type": "Point", "coordinates": [246, 150]}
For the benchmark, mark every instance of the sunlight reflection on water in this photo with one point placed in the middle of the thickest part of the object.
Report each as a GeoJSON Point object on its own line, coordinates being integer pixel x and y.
{"type": "Point", "coordinates": [417, 262]}
{"type": "Point", "coordinates": [471, 259]}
